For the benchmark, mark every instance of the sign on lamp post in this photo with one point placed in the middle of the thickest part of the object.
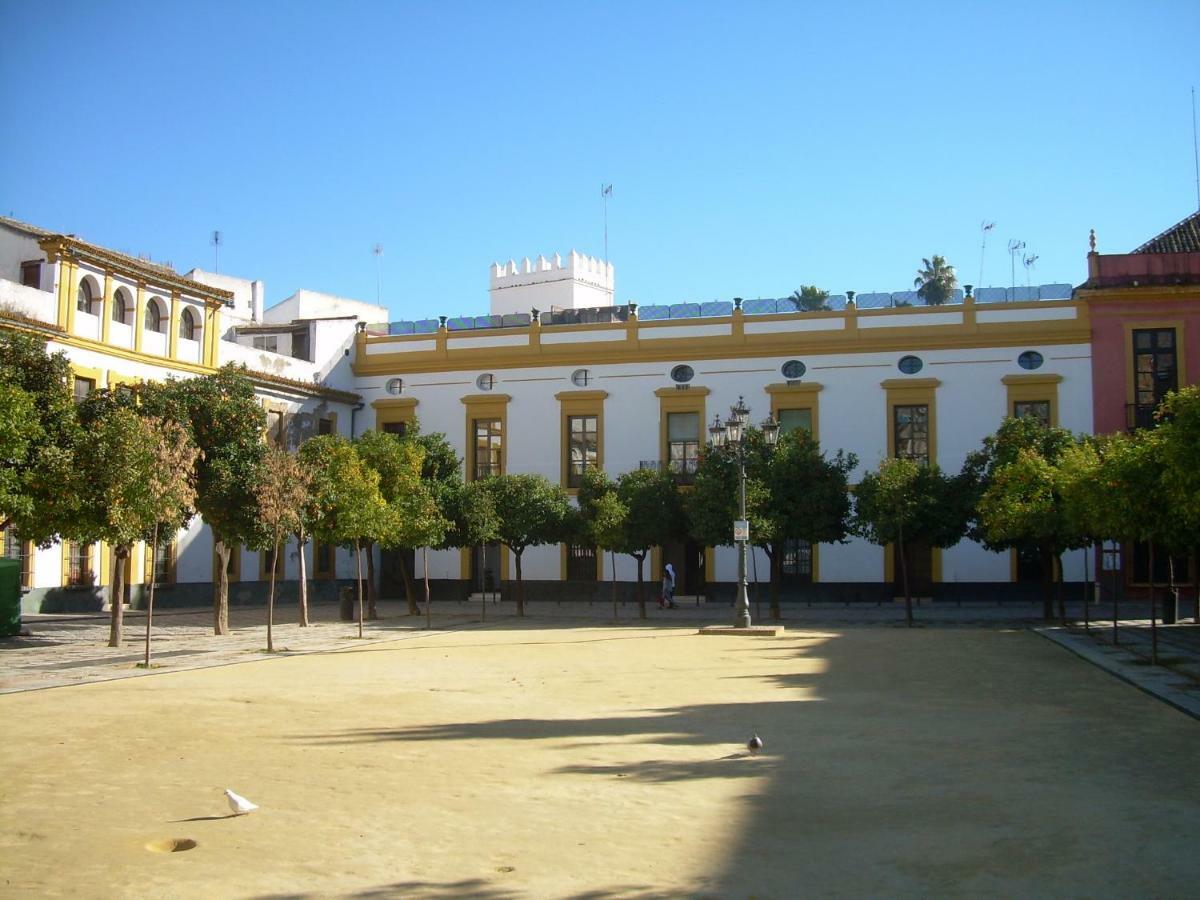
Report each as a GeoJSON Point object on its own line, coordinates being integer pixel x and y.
{"type": "Point", "coordinates": [741, 529]}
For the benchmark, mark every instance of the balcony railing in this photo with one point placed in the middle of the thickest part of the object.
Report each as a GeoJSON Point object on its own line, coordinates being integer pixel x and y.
{"type": "Point", "coordinates": [682, 470]}
{"type": "Point", "coordinates": [1140, 415]}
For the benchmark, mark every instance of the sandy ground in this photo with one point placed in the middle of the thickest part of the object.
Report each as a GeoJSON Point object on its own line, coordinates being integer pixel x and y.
{"type": "Point", "coordinates": [577, 761]}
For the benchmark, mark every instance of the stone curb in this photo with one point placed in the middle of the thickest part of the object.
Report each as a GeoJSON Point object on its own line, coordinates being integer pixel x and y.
{"type": "Point", "coordinates": [1156, 681]}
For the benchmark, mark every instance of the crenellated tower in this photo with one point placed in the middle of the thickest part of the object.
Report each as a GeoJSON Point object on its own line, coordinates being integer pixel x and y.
{"type": "Point", "coordinates": [577, 282]}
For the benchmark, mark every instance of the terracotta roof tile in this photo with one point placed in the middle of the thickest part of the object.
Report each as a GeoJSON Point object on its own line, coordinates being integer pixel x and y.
{"type": "Point", "coordinates": [1183, 237]}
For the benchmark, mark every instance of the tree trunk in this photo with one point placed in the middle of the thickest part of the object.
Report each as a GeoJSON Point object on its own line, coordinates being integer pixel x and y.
{"type": "Point", "coordinates": [1047, 584]}
{"type": "Point", "coordinates": [1195, 586]}
{"type": "Point", "coordinates": [613, 557]}
{"type": "Point", "coordinates": [908, 610]}
{"type": "Point", "coordinates": [271, 599]}
{"type": "Point", "coordinates": [1062, 605]}
{"type": "Point", "coordinates": [520, 584]}
{"type": "Point", "coordinates": [775, 558]}
{"type": "Point", "coordinates": [221, 590]}
{"type": "Point", "coordinates": [409, 593]}
{"type": "Point", "coordinates": [1153, 611]}
{"type": "Point", "coordinates": [301, 540]}
{"type": "Point", "coordinates": [1087, 588]}
{"type": "Point", "coordinates": [641, 598]}
{"type": "Point", "coordinates": [358, 581]}
{"type": "Point", "coordinates": [372, 593]}
{"type": "Point", "coordinates": [428, 605]}
{"type": "Point", "coordinates": [1116, 583]}
{"type": "Point", "coordinates": [116, 600]}
{"type": "Point", "coordinates": [150, 599]}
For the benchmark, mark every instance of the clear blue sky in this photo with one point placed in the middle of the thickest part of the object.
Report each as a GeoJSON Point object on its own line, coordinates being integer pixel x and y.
{"type": "Point", "coordinates": [752, 147]}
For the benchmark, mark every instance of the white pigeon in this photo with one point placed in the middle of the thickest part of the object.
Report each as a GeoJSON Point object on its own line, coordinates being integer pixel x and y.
{"type": "Point", "coordinates": [754, 745]}
{"type": "Point", "coordinates": [240, 805]}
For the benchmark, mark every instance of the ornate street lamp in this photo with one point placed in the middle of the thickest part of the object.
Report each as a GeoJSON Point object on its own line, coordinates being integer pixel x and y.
{"type": "Point", "coordinates": [732, 436]}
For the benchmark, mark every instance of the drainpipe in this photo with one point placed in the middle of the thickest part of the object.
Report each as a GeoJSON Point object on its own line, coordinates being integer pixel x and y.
{"type": "Point", "coordinates": [353, 412]}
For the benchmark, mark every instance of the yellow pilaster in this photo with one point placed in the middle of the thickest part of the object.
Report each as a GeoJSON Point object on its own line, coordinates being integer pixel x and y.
{"type": "Point", "coordinates": [104, 576]}
{"type": "Point", "coordinates": [212, 337]}
{"type": "Point", "coordinates": [173, 334]}
{"type": "Point", "coordinates": [64, 291]}
{"type": "Point", "coordinates": [139, 318]}
{"type": "Point", "coordinates": [106, 309]}
{"type": "Point", "coordinates": [71, 269]}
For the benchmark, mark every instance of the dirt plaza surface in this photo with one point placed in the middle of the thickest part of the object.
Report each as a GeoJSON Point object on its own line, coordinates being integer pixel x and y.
{"type": "Point", "coordinates": [566, 759]}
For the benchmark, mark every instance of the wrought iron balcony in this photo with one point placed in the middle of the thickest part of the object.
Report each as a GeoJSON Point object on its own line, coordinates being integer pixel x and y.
{"type": "Point", "coordinates": [682, 470]}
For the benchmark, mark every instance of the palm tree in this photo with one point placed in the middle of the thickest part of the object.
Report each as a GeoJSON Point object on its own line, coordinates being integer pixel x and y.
{"type": "Point", "coordinates": [936, 282]}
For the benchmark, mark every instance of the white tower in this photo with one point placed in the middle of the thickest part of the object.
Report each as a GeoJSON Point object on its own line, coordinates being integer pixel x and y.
{"type": "Point", "coordinates": [578, 283]}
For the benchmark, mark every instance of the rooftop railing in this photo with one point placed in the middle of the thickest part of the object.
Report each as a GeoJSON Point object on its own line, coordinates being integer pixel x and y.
{"type": "Point", "coordinates": [712, 309]}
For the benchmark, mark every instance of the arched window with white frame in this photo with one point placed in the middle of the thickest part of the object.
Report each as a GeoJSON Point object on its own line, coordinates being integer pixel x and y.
{"type": "Point", "coordinates": [87, 297]}
{"type": "Point", "coordinates": [122, 310]}
{"type": "Point", "coordinates": [188, 326]}
{"type": "Point", "coordinates": [155, 319]}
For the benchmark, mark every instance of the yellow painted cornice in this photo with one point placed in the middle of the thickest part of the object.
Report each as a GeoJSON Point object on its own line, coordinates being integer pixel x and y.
{"type": "Point", "coordinates": [485, 398]}
{"type": "Point", "coordinates": [581, 395]}
{"type": "Point", "coordinates": [1048, 378]}
{"type": "Point", "coordinates": [629, 348]}
{"type": "Point", "coordinates": [395, 403]}
{"type": "Point", "coordinates": [899, 384]}
{"type": "Point", "coordinates": [682, 390]}
{"type": "Point", "coordinates": [63, 246]}
{"type": "Point", "coordinates": [806, 387]}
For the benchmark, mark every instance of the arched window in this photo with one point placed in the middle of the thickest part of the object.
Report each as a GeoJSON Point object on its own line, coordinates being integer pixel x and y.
{"type": "Point", "coordinates": [154, 315]}
{"type": "Point", "coordinates": [122, 310]}
{"type": "Point", "coordinates": [85, 299]}
{"type": "Point", "coordinates": [187, 325]}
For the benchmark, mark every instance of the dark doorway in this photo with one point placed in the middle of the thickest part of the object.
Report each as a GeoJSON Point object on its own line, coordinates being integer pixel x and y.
{"type": "Point", "coordinates": [795, 565]}
{"type": "Point", "coordinates": [1141, 566]}
{"type": "Point", "coordinates": [581, 563]}
{"type": "Point", "coordinates": [485, 568]}
{"type": "Point", "coordinates": [918, 557]}
{"type": "Point", "coordinates": [391, 576]}
{"type": "Point", "coordinates": [1030, 566]}
{"type": "Point", "coordinates": [687, 557]}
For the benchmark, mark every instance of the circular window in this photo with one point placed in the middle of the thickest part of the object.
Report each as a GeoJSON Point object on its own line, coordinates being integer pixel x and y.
{"type": "Point", "coordinates": [394, 386]}
{"type": "Point", "coordinates": [581, 378]}
{"type": "Point", "coordinates": [682, 374]}
{"type": "Point", "coordinates": [1030, 359]}
{"type": "Point", "coordinates": [910, 365]}
{"type": "Point", "coordinates": [793, 369]}
{"type": "Point", "coordinates": [485, 382]}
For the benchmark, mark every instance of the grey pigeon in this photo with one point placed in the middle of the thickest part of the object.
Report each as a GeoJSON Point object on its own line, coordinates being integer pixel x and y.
{"type": "Point", "coordinates": [240, 805]}
{"type": "Point", "coordinates": [754, 745]}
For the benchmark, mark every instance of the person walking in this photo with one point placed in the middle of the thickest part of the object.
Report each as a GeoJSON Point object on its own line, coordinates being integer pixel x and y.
{"type": "Point", "coordinates": [667, 601]}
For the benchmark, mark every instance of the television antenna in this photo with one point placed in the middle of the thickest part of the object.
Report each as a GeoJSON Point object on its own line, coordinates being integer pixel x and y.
{"type": "Point", "coordinates": [1027, 261]}
{"type": "Point", "coordinates": [215, 240]}
{"type": "Point", "coordinates": [378, 251]}
{"type": "Point", "coordinates": [1014, 250]}
{"type": "Point", "coordinates": [985, 226]}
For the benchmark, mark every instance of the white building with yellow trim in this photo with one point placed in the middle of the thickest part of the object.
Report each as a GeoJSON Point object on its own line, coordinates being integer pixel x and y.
{"type": "Point", "coordinates": [122, 321]}
{"type": "Point", "coordinates": [563, 386]}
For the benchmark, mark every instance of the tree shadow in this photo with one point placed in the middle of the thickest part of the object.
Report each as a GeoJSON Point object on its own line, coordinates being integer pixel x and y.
{"type": "Point", "coordinates": [467, 887]}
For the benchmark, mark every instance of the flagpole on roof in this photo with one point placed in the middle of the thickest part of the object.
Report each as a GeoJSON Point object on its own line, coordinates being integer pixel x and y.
{"type": "Point", "coordinates": [605, 193]}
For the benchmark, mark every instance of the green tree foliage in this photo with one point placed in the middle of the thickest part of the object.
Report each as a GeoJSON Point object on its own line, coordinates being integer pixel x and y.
{"type": "Point", "coordinates": [530, 511]}
{"type": "Point", "coordinates": [792, 493]}
{"type": "Point", "coordinates": [903, 502]}
{"type": "Point", "coordinates": [227, 423]}
{"type": "Point", "coordinates": [601, 519]}
{"type": "Point", "coordinates": [400, 464]}
{"type": "Point", "coordinates": [935, 281]}
{"type": "Point", "coordinates": [122, 478]}
{"type": "Point", "coordinates": [282, 493]}
{"type": "Point", "coordinates": [36, 411]}
{"type": "Point", "coordinates": [810, 298]}
{"type": "Point", "coordinates": [1180, 436]}
{"type": "Point", "coordinates": [644, 510]}
{"type": "Point", "coordinates": [348, 506]}
{"type": "Point", "coordinates": [1009, 518]}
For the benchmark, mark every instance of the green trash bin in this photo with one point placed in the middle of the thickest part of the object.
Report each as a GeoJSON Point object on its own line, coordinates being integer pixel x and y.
{"type": "Point", "coordinates": [10, 597]}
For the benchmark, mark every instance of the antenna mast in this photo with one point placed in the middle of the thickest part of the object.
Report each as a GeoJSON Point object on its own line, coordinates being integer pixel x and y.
{"type": "Point", "coordinates": [1195, 151]}
{"type": "Point", "coordinates": [985, 226]}
{"type": "Point", "coordinates": [605, 193]}
{"type": "Point", "coordinates": [378, 251]}
{"type": "Point", "coordinates": [215, 240]}
{"type": "Point", "coordinates": [1014, 250]}
{"type": "Point", "coordinates": [1027, 261]}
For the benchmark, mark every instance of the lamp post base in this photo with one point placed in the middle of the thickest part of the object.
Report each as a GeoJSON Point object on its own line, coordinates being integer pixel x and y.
{"type": "Point", "coordinates": [744, 631]}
